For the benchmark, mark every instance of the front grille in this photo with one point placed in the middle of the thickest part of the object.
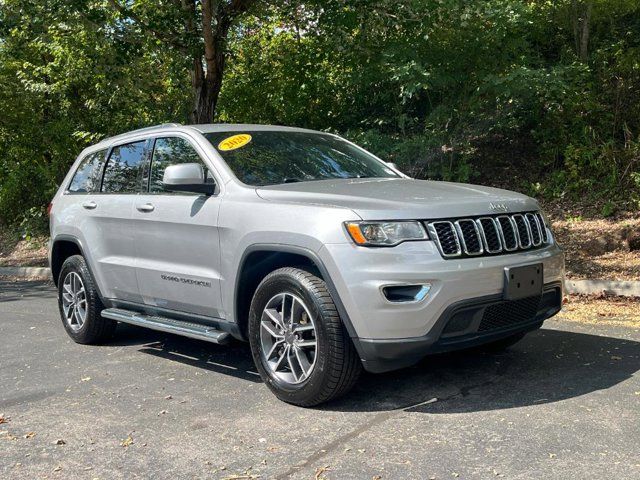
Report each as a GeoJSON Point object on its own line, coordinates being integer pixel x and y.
{"type": "Point", "coordinates": [490, 235]}
{"type": "Point", "coordinates": [509, 313]}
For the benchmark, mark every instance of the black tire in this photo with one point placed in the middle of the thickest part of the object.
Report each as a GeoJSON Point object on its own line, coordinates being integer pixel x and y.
{"type": "Point", "coordinates": [95, 329]}
{"type": "Point", "coordinates": [502, 344]}
{"type": "Point", "coordinates": [337, 366]}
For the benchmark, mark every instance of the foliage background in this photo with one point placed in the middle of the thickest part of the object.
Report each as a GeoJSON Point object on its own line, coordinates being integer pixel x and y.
{"type": "Point", "coordinates": [496, 92]}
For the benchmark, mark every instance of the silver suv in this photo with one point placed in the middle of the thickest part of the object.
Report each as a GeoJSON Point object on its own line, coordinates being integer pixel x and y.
{"type": "Point", "coordinates": [325, 258]}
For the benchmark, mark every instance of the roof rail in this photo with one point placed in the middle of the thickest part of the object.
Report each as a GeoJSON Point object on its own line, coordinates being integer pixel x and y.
{"type": "Point", "coordinates": [141, 130]}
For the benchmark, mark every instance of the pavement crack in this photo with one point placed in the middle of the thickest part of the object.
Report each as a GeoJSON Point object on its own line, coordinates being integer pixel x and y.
{"type": "Point", "coordinates": [377, 419]}
{"type": "Point", "coordinates": [335, 444]}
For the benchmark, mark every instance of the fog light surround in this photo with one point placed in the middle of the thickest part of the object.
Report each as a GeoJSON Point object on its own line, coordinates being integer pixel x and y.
{"type": "Point", "coordinates": [404, 293]}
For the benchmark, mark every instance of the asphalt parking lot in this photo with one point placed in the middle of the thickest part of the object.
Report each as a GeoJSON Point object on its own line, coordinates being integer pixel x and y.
{"type": "Point", "coordinates": [563, 403]}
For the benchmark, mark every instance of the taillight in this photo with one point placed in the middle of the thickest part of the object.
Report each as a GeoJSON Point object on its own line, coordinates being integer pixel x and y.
{"type": "Point", "coordinates": [49, 207]}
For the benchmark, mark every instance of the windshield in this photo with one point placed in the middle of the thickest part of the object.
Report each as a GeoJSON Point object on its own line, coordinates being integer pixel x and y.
{"type": "Point", "coordinates": [272, 157]}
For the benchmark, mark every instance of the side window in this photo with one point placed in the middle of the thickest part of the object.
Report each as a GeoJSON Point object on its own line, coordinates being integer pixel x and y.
{"type": "Point", "coordinates": [87, 176]}
{"type": "Point", "coordinates": [171, 151]}
{"type": "Point", "coordinates": [122, 174]}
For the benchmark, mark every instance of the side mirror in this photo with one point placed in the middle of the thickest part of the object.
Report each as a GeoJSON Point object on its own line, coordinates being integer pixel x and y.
{"type": "Point", "coordinates": [187, 177]}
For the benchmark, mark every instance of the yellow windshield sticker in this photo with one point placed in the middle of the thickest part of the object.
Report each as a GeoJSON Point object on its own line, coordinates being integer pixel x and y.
{"type": "Point", "coordinates": [233, 142]}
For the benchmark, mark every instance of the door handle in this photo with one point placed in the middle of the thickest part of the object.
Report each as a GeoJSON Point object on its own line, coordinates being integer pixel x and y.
{"type": "Point", "coordinates": [90, 205]}
{"type": "Point", "coordinates": [147, 207]}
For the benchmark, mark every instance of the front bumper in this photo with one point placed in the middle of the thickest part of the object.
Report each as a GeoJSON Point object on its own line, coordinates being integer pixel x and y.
{"type": "Point", "coordinates": [389, 336]}
{"type": "Point", "coordinates": [463, 325]}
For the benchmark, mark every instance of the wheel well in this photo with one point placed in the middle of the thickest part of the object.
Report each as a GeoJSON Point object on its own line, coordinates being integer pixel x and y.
{"type": "Point", "coordinates": [256, 266]}
{"type": "Point", "coordinates": [60, 251]}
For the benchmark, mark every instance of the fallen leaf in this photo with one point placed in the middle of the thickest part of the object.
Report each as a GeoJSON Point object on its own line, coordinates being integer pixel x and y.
{"type": "Point", "coordinates": [30, 435]}
{"type": "Point", "coordinates": [9, 435]}
{"type": "Point", "coordinates": [127, 441]}
{"type": "Point", "coordinates": [57, 469]}
{"type": "Point", "coordinates": [168, 397]}
{"type": "Point", "coordinates": [320, 471]}
{"type": "Point", "coordinates": [3, 419]}
{"type": "Point", "coordinates": [552, 455]}
{"type": "Point", "coordinates": [60, 441]}
{"type": "Point", "coordinates": [162, 412]}
{"type": "Point", "coordinates": [615, 357]}
{"type": "Point", "coordinates": [85, 379]}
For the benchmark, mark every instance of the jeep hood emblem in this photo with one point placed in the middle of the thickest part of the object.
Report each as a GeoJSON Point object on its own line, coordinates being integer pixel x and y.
{"type": "Point", "coordinates": [498, 207]}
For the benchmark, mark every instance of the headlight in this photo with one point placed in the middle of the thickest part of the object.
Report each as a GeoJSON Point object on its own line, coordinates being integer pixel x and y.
{"type": "Point", "coordinates": [385, 234]}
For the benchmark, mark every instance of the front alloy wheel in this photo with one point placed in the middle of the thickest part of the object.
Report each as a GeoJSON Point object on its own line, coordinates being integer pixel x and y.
{"type": "Point", "coordinates": [299, 344]}
{"type": "Point", "coordinates": [74, 301]}
{"type": "Point", "coordinates": [80, 304]}
{"type": "Point", "coordinates": [288, 338]}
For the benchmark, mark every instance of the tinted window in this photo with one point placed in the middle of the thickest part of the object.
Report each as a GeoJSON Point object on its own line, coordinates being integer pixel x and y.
{"type": "Point", "coordinates": [272, 157]}
{"type": "Point", "coordinates": [87, 177]}
{"type": "Point", "coordinates": [170, 151]}
{"type": "Point", "coordinates": [122, 174]}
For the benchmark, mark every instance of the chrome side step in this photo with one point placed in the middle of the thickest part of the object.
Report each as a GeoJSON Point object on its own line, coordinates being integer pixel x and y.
{"type": "Point", "coordinates": [163, 324]}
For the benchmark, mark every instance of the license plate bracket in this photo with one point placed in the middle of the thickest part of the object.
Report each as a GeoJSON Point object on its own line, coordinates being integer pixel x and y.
{"type": "Point", "coordinates": [522, 282]}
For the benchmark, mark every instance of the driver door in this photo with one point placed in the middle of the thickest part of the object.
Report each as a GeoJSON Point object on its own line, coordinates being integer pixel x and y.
{"type": "Point", "coordinates": [176, 238]}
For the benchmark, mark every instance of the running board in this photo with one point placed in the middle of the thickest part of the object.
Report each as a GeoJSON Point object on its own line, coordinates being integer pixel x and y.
{"type": "Point", "coordinates": [168, 325]}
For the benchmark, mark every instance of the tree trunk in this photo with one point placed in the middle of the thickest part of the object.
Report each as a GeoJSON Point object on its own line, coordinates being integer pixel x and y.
{"type": "Point", "coordinates": [208, 62]}
{"type": "Point", "coordinates": [207, 77]}
{"type": "Point", "coordinates": [206, 88]}
{"type": "Point", "coordinates": [581, 17]}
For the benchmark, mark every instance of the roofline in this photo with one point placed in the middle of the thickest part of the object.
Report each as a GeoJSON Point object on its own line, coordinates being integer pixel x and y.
{"type": "Point", "coordinates": [235, 127]}
{"type": "Point", "coordinates": [162, 126]}
{"type": "Point", "coordinates": [200, 128]}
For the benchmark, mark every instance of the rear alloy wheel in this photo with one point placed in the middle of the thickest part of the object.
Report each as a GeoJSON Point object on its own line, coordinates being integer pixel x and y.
{"type": "Point", "coordinates": [80, 305]}
{"type": "Point", "coordinates": [298, 342]}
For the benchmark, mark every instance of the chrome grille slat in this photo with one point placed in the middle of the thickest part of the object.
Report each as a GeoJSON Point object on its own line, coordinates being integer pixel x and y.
{"type": "Point", "coordinates": [489, 235]}
{"type": "Point", "coordinates": [534, 228]}
{"type": "Point", "coordinates": [445, 234]}
{"type": "Point", "coordinates": [522, 231]}
{"type": "Point", "coordinates": [508, 233]}
{"type": "Point", "coordinates": [543, 228]}
{"type": "Point", "coordinates": [469, 236]}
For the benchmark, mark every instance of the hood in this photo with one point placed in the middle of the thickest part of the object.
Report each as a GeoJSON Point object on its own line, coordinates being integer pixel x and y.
{"type": "Point", "coordinates": [400, 198]}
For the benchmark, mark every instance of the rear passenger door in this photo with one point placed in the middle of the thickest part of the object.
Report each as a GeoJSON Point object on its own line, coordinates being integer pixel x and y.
{"type": "Point", "coordinates": [109, 237]}
{"type": "Point", "coordinates": [177, 243]}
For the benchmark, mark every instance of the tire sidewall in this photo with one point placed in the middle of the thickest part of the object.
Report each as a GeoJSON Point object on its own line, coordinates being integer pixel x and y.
{"type": "Point", "coordinates": [77, 264]}
{"type": "Point", "coordinates": [285, 282]}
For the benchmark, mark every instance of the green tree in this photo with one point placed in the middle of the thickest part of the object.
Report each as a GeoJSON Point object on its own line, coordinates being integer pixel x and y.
{"type": "Point", "coordinates": [197, 29]}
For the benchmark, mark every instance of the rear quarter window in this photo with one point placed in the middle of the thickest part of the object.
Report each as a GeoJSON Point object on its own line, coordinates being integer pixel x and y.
{"type": "Point", "coordinates": [124, 168]}
{"type": "Point", "coordinates": [87, 176]}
